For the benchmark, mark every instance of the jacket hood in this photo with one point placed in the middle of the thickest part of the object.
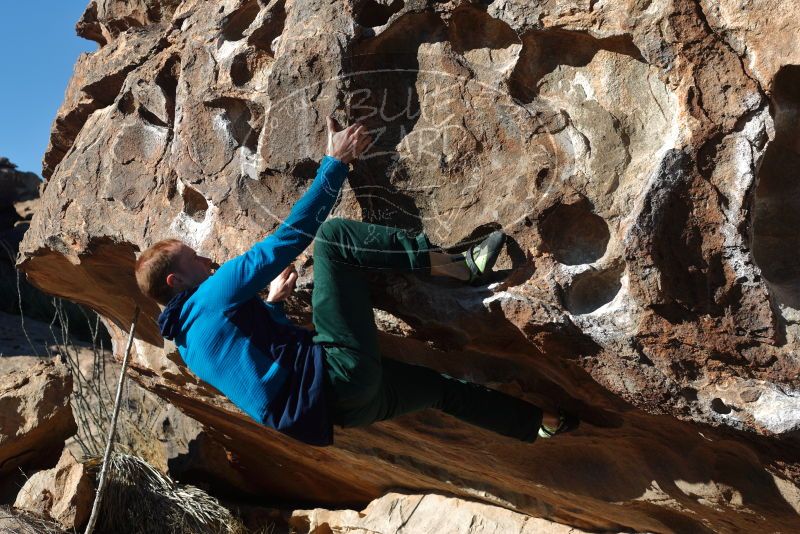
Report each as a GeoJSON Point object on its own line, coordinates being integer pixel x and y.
{"type": "Point", "coordinates": [169, 320]}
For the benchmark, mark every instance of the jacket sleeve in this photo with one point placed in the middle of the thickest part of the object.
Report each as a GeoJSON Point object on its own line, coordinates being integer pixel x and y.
{"type": "Point", "coordinates": [244, 276]}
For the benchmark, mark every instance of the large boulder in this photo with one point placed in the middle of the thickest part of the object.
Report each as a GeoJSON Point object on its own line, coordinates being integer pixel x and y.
{"type": "Point", "coordinates": [639, 155]}
{"type": "Point", "coordinates": [35, 420]}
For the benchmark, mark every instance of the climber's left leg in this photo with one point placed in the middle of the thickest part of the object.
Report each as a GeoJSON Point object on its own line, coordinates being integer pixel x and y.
{"type": "Point", "coordinates": [367, 246]}
{"type": "Point", "coordinates": [363, 391]}
{"type": "Point", "coordinates": [344, 251]}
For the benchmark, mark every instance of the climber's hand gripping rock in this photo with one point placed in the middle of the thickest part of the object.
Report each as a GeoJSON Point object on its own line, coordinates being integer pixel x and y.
{"type": "Point", "coordinates": [346, 144]}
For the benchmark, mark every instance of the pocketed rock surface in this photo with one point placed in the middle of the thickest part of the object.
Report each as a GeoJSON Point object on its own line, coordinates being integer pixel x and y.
{"type": "Point", "coordinates": [639, 155]}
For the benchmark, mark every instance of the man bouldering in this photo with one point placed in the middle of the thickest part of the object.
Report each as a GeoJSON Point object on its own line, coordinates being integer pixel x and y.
{"type": "Point", "coordinates": [302, 382]}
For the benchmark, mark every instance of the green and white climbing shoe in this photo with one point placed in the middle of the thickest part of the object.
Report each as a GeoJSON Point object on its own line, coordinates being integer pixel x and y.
{"type": "Point", "coordinates": [567, 422]}
{"type": "Point", "coordinates": [481, 258]}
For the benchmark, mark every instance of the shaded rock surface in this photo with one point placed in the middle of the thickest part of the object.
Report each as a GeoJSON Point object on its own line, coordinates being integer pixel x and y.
{"type": "Point", "coordinates": [35, 420]}
{"type": "Point", "coordinates": [638, 154]}
{"type": "Point", "coordinates": [19, 193]}
{"type": "Point", "coordinates": [17, 190]}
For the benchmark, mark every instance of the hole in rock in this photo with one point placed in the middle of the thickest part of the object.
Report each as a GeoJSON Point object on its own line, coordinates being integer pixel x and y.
{"type": "Point", "coordinates": [240, 70]}
{"type": "Point", "coordinates": [245, 65]}
{"type": "Point", "coordinates": [776, 218]}
{"type": "Point", "coordinates": [392, 66]}
{"type": "Point", "coordinates": [154, 13]}
{"type": "Point", "coordinates": [150, 117]}
{"type": "Point", "coordinates": [262, 40]}
{"type": "Point", "coordinates": [541, 176]}
{"type": "Point", "coordinates": [105, 90]}
{"type": "Point", "coordinates": [126, 103]}
{"type": "Point", "coordinates": [573, 234]}
{"type": "Point", "coordinates": [162, 10]}
{"type": "Point", "coordinates": [720, 407]}
{"type": "Point", "coordinates": [194, 203]}
{"type": "Point", "coordinates": [472, 28]}
{"type": "Point", "coordinates": [235, 24]}
{"type": "Point", "coordinates": [373, 13]}
{"type": "Point", "coordinates": [592, 289]}
{"type": "Point", "coordinates": [167, 80]}
{"type": "Point", "coordinates": [304, 169]}
{"type": "Point", "coordinates": [241, 118]}
{"type": "Point", "coordinates": [544, 51]}
{"type": "Point", "coordinates": [643, 359]}
{"type": "Point", "coordinates": [270, 28]}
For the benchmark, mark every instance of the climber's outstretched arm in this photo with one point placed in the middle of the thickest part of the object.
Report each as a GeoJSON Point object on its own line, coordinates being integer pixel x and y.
{"type": "Point", "coordinates": [244, 276]}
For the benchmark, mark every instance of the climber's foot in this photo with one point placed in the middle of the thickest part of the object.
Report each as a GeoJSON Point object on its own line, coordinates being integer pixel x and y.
{"type": "Point", "coordinates": [567, 422]}
{"type": "Point", "coordinates": [481, 258]}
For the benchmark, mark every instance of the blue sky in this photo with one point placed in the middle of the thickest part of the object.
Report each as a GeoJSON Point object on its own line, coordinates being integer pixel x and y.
{"type": "Point", "coordinates": [38, 48]}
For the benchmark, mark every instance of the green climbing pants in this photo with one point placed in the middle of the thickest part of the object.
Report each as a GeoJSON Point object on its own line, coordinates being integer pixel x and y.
{"type": "Point", "coordinates": [365, 387]}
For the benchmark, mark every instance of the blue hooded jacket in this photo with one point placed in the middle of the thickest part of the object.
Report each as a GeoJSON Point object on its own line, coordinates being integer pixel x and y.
{"type": "Point", "coordinates": [247, 348]}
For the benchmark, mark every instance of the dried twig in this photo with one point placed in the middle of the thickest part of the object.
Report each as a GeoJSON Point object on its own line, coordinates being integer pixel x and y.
{"type": "Point", "coordinates": [113, 430]}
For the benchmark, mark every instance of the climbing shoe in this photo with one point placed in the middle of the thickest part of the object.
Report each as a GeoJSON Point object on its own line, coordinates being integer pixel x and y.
{"type": "Point", "coordinates": [567, 422]}
{"type": "Point", "coordinates": [481, 257]}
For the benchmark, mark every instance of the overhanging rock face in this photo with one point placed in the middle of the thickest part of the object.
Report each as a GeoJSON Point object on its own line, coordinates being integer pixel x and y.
{"type": "Point", "coordinates": [639, 156]}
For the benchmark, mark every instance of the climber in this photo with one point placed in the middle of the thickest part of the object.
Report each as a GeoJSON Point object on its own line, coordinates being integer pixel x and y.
{"type": "Point", "coordinates": [299, 381]}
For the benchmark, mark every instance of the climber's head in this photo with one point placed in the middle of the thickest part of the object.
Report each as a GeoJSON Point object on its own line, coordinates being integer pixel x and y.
{"type": "Point", "coordinates": [169, 267]}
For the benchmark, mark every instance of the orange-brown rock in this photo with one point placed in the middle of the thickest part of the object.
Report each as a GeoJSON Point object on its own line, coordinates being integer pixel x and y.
{"type": "Point", "coordinates": [35, 420]}
{"type": "Point", "coordinates": [63, 494]}
{"type": "Point", "coordinates": [396, 512]}
{"type": "Point", "coordinates": [638, 154]}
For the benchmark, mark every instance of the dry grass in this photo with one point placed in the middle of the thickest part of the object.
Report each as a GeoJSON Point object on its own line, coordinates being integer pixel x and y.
{"type": "Point", "coordinates": [138, 499]}
{"type": "Point", "coordinates": [13, 521]}
{"type": "Point", "coordinates": [95, 373]}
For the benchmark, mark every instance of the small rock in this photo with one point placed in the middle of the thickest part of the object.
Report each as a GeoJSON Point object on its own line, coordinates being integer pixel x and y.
{"type": "Point", "coordinates": [750, 395]}
{"type": "Point", "coordinates": [63, 494]}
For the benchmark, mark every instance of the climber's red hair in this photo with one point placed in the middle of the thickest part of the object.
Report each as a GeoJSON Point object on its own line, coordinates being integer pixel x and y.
{"type": "Point", "coordinates": [153, 266]}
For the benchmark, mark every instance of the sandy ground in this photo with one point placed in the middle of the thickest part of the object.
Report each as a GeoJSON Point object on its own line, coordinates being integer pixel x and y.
{"type": "Point", "coordinates": [18, 351]}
